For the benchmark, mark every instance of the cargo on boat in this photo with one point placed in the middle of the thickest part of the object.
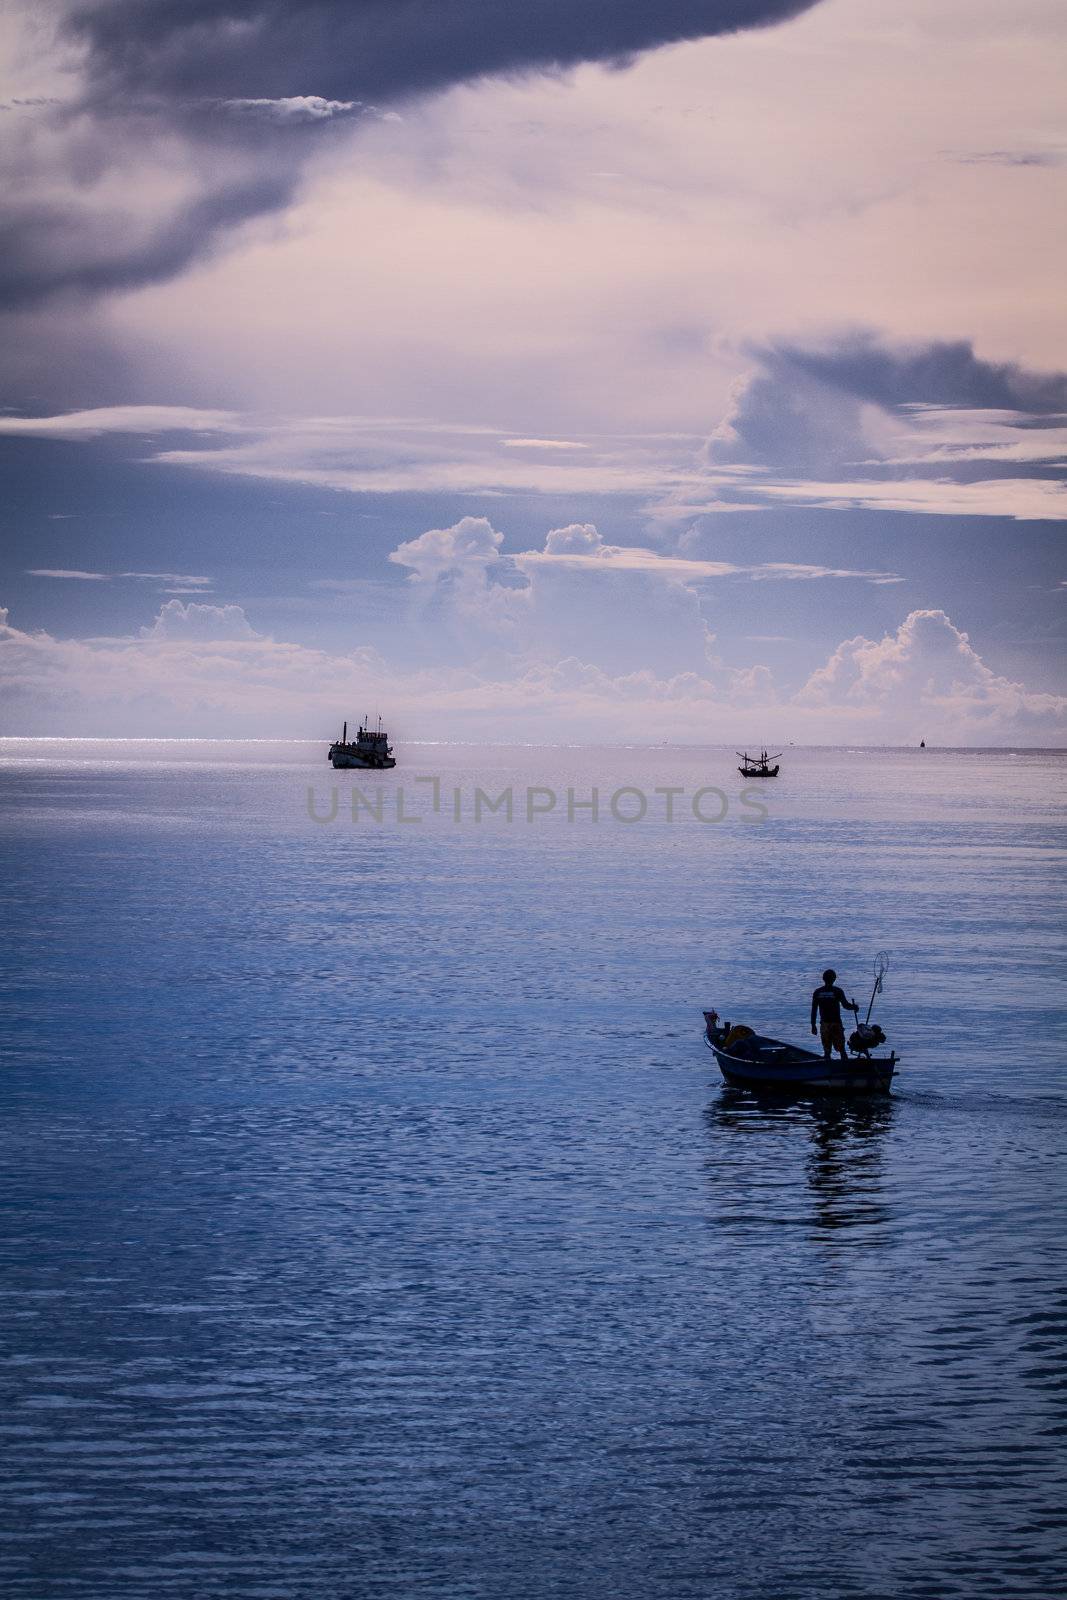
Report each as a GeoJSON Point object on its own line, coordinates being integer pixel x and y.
{"type": "Point", "coordinates": [749, 1060]}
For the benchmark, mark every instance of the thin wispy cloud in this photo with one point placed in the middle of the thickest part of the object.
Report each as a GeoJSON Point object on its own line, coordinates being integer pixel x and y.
{"type": "Point", "coordinates": [133, 419]}
{"type": "Point", "coordinates": [189, 581]}
{"type": "Point", "coordinates": [955, 435]}
{"type": "Point", "coordinates": [1012, 158]}
{"type": "Point", "coordinates": [542, 444]}
{"type": "Point", "coordinates": [293, 107]}
{"type": "Point", "coordinates": [629, 558]}
{"type": "Point", "coordinates": [1015, 499]}
{"type": "Point", "coordinates": [826, 426]}
{"type": "Point", "coordinates": [385, 455]}
{"type": "Point", "coordinates": [58, 572]}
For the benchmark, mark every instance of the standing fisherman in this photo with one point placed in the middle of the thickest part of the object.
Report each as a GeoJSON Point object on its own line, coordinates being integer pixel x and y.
{"type": "Point", "coordinates": [826, 1003]}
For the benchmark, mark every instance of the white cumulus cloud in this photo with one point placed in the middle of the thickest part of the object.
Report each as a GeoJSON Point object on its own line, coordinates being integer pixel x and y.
{"type": "Point", "coordinates": [928, 668]}
{"type": "Point", "coordinates": [471, 542]}
{"type": "Point", "coordinates": [193, 621]}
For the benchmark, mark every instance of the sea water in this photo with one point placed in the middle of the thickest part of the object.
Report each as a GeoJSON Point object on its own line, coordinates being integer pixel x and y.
{"type": "Point", "coordinates": [376, 1223]}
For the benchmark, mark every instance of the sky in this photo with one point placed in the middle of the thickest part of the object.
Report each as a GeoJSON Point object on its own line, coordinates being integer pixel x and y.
{"type": "Point", "coordinates": [534, 372]}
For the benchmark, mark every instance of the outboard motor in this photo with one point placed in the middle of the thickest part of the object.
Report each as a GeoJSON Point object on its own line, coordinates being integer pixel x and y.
{"type": "Point", "coordinates": [867, 1036]}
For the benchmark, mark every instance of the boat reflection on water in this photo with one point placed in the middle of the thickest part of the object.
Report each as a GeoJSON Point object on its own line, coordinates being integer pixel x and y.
{"type": "Point", "coordinates": [846, 1165]}
{"type": "Point", "coordinates": [765, 1147]}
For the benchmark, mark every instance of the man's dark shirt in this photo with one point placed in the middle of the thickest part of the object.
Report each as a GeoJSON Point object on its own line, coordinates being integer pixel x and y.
{"type": "Point", "coordinates": [828, 1001]}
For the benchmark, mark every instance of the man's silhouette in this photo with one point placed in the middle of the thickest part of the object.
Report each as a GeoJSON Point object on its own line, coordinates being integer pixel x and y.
{"type": "Point", "coordinates": [826, 1003]}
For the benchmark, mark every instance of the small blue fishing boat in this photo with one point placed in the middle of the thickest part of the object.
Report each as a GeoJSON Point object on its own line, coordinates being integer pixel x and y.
{"type": "Point", "coordinates": [749, 1060]}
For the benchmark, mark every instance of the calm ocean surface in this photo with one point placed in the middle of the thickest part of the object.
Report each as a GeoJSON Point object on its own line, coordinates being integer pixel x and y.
{"type": "Point", "coordinates": [376, 1224]}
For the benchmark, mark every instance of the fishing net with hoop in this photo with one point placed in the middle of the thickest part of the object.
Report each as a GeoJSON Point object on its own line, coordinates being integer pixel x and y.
{"type": "Point", "coordinates": [881, 967]}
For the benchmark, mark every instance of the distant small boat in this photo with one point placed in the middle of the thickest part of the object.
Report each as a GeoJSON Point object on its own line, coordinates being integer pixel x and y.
{"type": "Point", "coordinates": [758, 767]}
{"type": "Point", "coordinates": [922, 744]}
{"type": "Point", "coordinates": [370, 748]}
{"type": "Point", "coordinates": [749, 1060]}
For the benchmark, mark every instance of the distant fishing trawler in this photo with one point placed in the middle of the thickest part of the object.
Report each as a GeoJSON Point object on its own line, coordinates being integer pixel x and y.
{"type": "Point", "coordinates": [370, 748]}
{"type": "Point", "coordinates": [753, 767]}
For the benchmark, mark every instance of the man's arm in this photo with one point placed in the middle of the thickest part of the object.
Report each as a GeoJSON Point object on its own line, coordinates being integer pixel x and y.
{"type": "Point", "coordinates": [849, 1005]}
{"type": "Point", "coordinates": [814, 1009]}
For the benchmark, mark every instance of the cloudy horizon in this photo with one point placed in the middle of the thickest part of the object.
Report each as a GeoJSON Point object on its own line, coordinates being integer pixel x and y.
{"type": "Point", "coordinates": [567, 376]}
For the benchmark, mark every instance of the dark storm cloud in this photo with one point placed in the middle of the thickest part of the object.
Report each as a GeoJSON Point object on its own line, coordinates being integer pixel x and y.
{"type": "Point", "coordinates": [375, 49]}
{"type": "Point", "coordinates": [45, 249]}
{"type": "Point", "coordinates": [803, 410]}
{"type": "Point", "coordinates": [1012, 158]}
{"type": "Point", "coordinates": [939, 374]}
{"type": "Point", "coordinates": [247, 90]}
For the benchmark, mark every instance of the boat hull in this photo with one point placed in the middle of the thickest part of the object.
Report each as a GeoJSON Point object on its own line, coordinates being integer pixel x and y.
{"type": "Point", "coordinates": [343, 761]}
{"type": "Point", "coordinates": [768, 1065]}
{"type": "Point", "coordinates": [836, 1077]}
{"type": "Point", "coordinates": [771, 772]}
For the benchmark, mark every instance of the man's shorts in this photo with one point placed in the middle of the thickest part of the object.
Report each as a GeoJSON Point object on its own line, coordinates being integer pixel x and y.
{"type": "Point", "coordinates": [832, 1035]}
